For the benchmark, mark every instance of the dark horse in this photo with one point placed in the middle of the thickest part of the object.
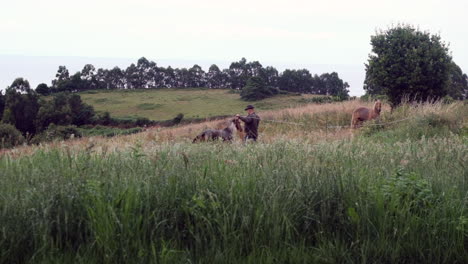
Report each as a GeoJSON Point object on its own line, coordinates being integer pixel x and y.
{"type": "Point", "coordinates": [225, 133]}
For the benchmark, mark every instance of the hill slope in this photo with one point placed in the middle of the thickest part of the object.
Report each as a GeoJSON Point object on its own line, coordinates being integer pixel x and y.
{"type": "Point", "coordinates": [163, 104]}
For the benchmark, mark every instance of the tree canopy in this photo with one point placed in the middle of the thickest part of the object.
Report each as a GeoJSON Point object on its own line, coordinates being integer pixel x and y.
{"type": "Point", "coordinates": [406, 62]}
{"type": "Point", "coordinates": [256, 89]}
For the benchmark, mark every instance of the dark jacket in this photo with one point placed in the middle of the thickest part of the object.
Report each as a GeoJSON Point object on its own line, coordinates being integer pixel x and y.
{"type": "Point", "coordinates": [251, 125]}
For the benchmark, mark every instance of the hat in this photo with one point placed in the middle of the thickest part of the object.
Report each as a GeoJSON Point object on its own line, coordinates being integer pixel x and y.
{"type": "Point", "coordinates": [249, 107]}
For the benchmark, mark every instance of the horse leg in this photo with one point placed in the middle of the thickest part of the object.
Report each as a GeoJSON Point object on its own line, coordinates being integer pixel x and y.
{"type": "Point", "coordinates": [354, 120]}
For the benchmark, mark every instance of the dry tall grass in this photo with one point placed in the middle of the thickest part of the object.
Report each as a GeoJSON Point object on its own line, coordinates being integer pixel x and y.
{"type": "Point", "coordinates": [311, 123]}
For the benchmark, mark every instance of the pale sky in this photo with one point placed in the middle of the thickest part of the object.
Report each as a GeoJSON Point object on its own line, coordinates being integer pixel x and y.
{"type": "Point", "coordinates": [284, 34]}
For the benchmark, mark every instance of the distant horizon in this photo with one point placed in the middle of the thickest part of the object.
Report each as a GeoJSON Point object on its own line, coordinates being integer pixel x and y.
{"type": "Point", "coordinates": [42, 69]}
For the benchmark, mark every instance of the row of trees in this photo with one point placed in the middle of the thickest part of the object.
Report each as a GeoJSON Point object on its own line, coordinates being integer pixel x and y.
{"type": "Point", "coordinates": [147, 74]}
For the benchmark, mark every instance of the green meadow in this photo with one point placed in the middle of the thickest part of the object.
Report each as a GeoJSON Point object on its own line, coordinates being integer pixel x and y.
{"type": "Point", "coordinates": [164, 104]}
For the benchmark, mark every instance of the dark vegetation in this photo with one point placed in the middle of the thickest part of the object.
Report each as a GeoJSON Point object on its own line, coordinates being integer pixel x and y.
{"type": "Point", "coordinates": [28, 117]}
{"type": "Point", "coordinates": [257, 89]}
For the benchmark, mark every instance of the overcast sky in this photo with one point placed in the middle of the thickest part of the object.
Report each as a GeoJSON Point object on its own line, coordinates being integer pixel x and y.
{"type": "Point", "coordinates": [285, 34]}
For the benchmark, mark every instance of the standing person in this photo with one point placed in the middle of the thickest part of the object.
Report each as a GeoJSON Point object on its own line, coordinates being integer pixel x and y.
{"type": "Point", "coordinates": [251, 121]}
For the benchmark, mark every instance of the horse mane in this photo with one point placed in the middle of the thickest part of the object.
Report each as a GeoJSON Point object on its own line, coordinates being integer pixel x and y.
{"type": "Point", "coordinates": [377, 107]}
{"type": "Point", "coordinates": [240, 130]}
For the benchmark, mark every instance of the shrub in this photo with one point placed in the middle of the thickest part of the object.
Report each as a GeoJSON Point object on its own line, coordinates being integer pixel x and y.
{"type": "Point", "coordinates": [178, 119]}
{"type": "Point", "coordinates": [142, 121]}
{"type": "Point", "coordinates": [54, 132]}
{"type": "Point", "coordinates": [10, 136]}
{"type": "Point", "coordinates": [104, 119]}
{"type": "Point", "coordinates": [407, 190]}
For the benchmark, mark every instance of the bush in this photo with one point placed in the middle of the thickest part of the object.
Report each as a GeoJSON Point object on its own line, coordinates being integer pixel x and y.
{"type": "Point", "coordinates": [142, 121]}
{"type": "Point", "coordinates": [104, 119]}
{"type": "Point", "coordinates": [10, 136]}
{"type": "Point", "coordinates": [54, 132]}
{"type": "Point", "coordinates": [178, 119]}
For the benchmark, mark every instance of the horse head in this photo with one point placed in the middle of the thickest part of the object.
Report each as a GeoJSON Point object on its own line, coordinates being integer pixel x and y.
{"type": "Point", "coordinates": [237, 123]}
{"type": "Point", "coordinates": [378, 107]}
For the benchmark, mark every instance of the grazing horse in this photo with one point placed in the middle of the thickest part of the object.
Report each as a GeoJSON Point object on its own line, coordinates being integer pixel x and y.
{"type": "Point", "coordinates": [225, 133]}
{"type": "Point", "coordinates": [362, 114]}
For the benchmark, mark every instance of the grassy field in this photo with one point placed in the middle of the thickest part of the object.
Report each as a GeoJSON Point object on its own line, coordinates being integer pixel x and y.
{"type": "Point", "coordinates": [164, 104]}
{"type": "Point", "coordinates": [307, 192]}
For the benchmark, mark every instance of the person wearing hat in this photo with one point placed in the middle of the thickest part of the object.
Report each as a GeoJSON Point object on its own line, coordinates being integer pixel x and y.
{"type": "Point", "coordinates": [251, 121]}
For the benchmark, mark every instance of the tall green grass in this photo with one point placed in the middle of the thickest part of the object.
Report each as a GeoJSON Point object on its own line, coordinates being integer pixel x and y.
{"type": "Point", "coordinates": [353, 201]}
{"type": "Point", "coordinates": [395, 193]}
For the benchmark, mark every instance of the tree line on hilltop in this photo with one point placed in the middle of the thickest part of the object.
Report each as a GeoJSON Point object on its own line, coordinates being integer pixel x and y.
{"type": "Point", "coordinates": [147, 74]}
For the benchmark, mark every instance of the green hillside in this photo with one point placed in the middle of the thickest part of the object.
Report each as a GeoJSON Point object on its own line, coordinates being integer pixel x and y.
{"type": "Point", "coordinates": [163, 104]}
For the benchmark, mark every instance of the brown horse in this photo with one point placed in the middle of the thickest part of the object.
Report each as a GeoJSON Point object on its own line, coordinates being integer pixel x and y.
{"type": "Point", "coordinates": [362, 114]}
{"type": "Point", "coordinates": [225, 134]}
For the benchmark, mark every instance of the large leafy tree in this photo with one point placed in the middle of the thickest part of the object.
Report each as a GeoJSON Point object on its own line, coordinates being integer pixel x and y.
{"type": "Point", "coordinates": [214, 77]}
{"type": "Point", "coordinates": [61, 76]}
{"type": "Point", "coordinates": [270, 75]}
{"type": "Point", "coordinates": [103, 79]}
{"type": "Point", "coordinates": [238, 74]}
{"type": "Point", "coordinates": [64, 109]}
{"type": "Point", "coordinates": [133, 77]}
{"type": "Point", "coordinates": [81, 113]}
{"type": "Point", "coordinates": [57, 111]}
{"type": "Point", "coordinates": [2, 104]}
{"type": "Point", "coordinates": [196, 76]}
{"type": "Point", "coordinates": [21, 106]}
{"type": "Point", "coordinates": [299, 81]}
{"type": "Point", "coordinates": [457, 87]}
{"type": "Point", "coordinates": [406, 62]}
{"type": "Point", "coordinates": [116, 78]}
{"type": "Point", "coordinates": [88, 75]}
{"type": "Point", "coordinates": [333, 85]}
{"type": "Point", "coordinates": [169, 77]}
{"type": "Point", "coordinates": [182, 77]}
